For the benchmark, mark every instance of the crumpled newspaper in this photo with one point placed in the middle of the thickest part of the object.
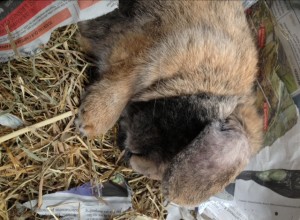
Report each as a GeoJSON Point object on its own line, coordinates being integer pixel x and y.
{"type": "Point", "coordinates": [219, 207]}
{"type": "Point", "coordinates": [86, 201]}
{"type": "Point", "coordinates": [27, 25]}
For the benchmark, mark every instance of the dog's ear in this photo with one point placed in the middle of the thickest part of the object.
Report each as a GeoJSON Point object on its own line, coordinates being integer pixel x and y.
{"type": "Point", "coordinates": [206, 166]}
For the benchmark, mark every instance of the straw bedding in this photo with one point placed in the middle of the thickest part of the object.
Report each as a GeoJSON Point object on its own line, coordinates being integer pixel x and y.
{"type": "Point", "coordinates": [48, 156]}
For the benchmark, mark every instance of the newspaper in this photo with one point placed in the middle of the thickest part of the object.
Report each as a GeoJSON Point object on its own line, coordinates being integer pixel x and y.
{"type": "Point", "coordinates": [219, 207]}
{"type": "Point", "coordinates": [26, 25]}
{"type": "Point", "coordinates": [274, 100]}
{"type": "Point", "coordinates": [270, 187]}
{"type": "Point", "coordinates": [248, 3]}
{"type": "Point", "coordinates": [287, 25]}
{"type": "Point", "coordinates": [86, 201]}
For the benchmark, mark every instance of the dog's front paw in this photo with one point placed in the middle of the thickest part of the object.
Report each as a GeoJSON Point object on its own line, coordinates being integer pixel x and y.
{"type": "Point", "coordinates": [88, 122]}
{"type": "Point", "coordinates": [95, 115]}
{"type": "Point", "coordinates": [100, 109]}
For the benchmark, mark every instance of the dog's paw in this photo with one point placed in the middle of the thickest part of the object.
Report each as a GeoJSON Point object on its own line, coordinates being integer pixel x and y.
{"type": "Point", "coordinates": [87, 122]}
{"type": "Point", "coordinates": [95, 117]}
{"type": "Point", "coordinates": [100, 109]}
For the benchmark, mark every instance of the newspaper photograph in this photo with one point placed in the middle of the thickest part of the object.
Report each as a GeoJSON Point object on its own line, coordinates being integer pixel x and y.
{"type": "Point", "coordinates": [287, 25]}
{"type": "Point", "coordinates": [274, 99]}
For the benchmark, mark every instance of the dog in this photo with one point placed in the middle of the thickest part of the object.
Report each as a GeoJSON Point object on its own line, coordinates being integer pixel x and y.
{"type": "Point", "coordinates": [179, 77]}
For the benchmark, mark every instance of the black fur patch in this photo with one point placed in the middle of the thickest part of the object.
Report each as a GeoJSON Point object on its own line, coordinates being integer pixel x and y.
{"type": "Point", "coordinates": [164, 126]}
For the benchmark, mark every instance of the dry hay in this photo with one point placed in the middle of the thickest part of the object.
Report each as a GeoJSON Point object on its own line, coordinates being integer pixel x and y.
{"type": "Point", "coordinates": [49, 155]}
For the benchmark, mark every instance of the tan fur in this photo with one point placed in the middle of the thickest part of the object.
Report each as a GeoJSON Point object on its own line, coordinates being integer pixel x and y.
{"type": "Point", "coordinates": [175, 48]}
{"type": "Point", "coordinates": [190, 52]}
{"type": "Point", "coordinates": [251, 121]}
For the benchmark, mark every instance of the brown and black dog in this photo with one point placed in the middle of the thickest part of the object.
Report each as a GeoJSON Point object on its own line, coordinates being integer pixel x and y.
{"type": "Point", "coordinates": [179, 76]}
